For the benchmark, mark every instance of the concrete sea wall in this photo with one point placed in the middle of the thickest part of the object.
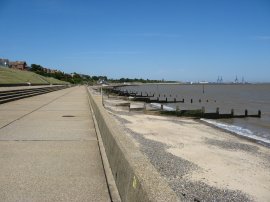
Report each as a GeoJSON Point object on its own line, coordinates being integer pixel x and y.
{"type": "Point", "coordinates": [135, 177]}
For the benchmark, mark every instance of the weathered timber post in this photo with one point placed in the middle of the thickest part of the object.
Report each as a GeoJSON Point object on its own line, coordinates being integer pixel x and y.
{"type": "Point", "coordinates": [217, 110]}
{"type": "Point", "coordinates": [166, 100]}
{"type": "Point", "coordinates": [246, 113]}
{"type": "Point", "coordinates": [203, 88]}
{"type": "Point", "coordinates": [191, 100]}
{"type": "Point", "coordinates": [259, 113]}
{"type": "Point", "coordinates": [174, 100]}
{"type": "Point", "coordinates": [183, 100]}
{"type": "Point", "coordinates": [161, 107]}
{"type": "Point", "coordinates": [200, 100]}
{"type": "Point", "coordinates": [232, 112]}
{"type": "Point", "coordinates": [144, 107]}
{"type": "Point", "coordinates": [203, 111]}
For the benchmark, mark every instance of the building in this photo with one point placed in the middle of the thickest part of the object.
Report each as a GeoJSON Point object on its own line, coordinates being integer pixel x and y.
{"type": "Point", "coordinates": [4, 62]}
{"type": "Point", "coordinates": [102, 81]}
{"type": "Point", "coordinates": [49, 71]}
{"type": "Point", "coordinates": [21, 65]}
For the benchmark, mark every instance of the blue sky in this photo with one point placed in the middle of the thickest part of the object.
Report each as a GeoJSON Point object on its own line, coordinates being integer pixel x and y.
{"type": "Point", "coordinates": [184, 40]}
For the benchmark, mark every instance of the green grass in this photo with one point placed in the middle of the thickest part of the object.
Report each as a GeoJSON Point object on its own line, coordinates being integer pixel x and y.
{"type": "Point", "coordinates": [12, 76]}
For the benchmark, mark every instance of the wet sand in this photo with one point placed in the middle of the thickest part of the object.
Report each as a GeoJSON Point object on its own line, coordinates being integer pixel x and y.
{"type": "Point", "coordinates": [198, 161]}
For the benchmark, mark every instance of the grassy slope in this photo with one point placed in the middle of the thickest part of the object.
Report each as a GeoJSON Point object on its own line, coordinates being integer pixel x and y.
{"type": "Point", "coordinates": [12, 76]}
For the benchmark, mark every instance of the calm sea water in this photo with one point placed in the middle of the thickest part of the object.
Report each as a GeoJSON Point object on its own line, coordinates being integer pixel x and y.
{"type": "Point", "coordinates": [239, 97]}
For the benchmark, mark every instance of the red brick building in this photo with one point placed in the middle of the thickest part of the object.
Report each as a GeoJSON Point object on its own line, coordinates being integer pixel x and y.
{"type": "Point", "coordinates": [21, 65]}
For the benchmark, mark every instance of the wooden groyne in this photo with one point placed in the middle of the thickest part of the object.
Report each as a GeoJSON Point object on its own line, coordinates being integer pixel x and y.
{"type": "Point", "coordinates": [200, 113]}
{"type": "Point", "coordinates": [163, 99]}
{"type": "Point", "coordinates": [149, 97]}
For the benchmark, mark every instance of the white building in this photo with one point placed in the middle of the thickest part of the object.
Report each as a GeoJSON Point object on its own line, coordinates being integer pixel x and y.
{"type": "Point", "coordinates": [4, 62]}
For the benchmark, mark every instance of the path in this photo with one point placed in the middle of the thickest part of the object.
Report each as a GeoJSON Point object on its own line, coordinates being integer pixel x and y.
{"type": "Point", "coordinates": [49, 149]}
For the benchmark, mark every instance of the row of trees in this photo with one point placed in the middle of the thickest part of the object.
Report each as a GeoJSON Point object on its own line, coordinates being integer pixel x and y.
{"type": "Point", "coordinates": [57, 74]}
{"type": "Point", "coordinates": [76, 78]}
{"type": "Point", "coordinates": [128, 80]}
{"type": "Point", "coordinates": [73, 78]}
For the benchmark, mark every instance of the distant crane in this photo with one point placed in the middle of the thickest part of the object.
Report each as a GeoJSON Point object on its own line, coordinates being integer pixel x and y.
{"type": "Point", "coordinates": [219, 80]}
{"type": "Point", "coordinates": [236, 79]}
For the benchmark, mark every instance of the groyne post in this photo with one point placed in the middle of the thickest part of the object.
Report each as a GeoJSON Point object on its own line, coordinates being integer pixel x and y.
{"type": "Point", "coordinates": [174, 99]}
{"type": "Point", "coordinates": [232, 112]}
{"type": "Point", "coordinates": [217, 110]}
{"type": "Point", "coordinates": [183, 100]}
{"type": "Point", "coordinates": [203, 111]}
{"type": "Point", "coordinates": [144, 107]}
{"type": "Point", "coordinates": [191, 100]}
{"type": "Point", "coordinates": [161, 107]}
{"type": "Point", "coordinates": [246, 113]}
{"type": "Point", "coordinates": [259, 113]}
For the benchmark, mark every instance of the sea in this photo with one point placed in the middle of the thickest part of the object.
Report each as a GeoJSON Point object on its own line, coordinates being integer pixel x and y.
{"type": "Point", "coordinates": [239, 97]}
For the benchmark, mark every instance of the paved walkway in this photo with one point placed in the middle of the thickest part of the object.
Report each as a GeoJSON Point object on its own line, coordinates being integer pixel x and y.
{"type": "Point", "coordinates": [49, 149]}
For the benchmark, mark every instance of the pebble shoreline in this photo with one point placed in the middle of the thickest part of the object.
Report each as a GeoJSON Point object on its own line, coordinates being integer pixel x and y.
{"type": "Point", "coordinates": [175, 171]}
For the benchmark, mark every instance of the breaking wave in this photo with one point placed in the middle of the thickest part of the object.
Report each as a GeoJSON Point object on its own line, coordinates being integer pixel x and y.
{"type": "Point", "coordinates": [237, 130]}
{"type": "Point", "coordinates": [158, 106]}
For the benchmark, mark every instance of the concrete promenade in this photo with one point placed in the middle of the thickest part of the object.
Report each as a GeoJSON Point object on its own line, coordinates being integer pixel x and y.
{"type": "Point", "coordinates": [49, 149]}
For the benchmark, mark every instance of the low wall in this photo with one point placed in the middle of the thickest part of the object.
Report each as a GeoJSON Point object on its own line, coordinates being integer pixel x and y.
{"type": "Point", "coordinates": [135, 177]}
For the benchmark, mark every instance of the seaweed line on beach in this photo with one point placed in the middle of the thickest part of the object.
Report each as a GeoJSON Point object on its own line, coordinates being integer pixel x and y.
{"type": "Point", "coordinates": [230, 145]}
{"type": "Point", "coordinates": [236, 146]}
{"type": "Point", "coordinates": [175, 170]}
